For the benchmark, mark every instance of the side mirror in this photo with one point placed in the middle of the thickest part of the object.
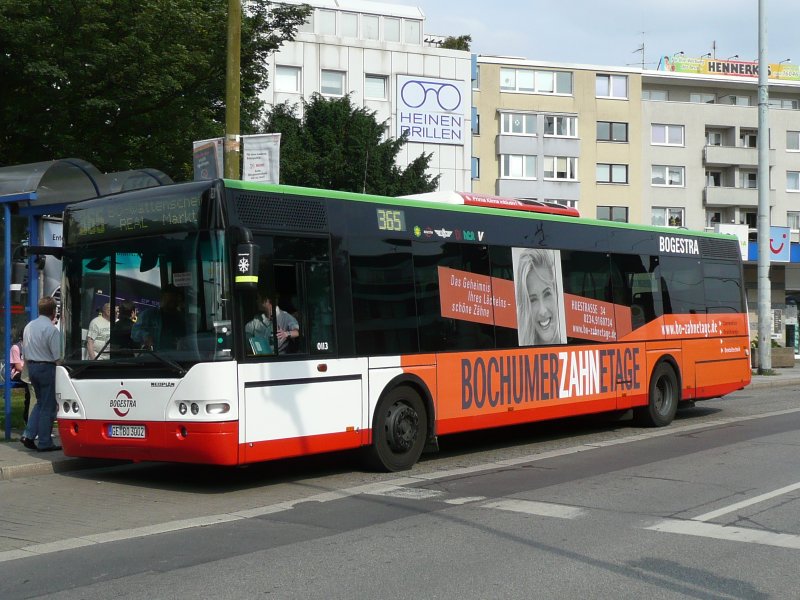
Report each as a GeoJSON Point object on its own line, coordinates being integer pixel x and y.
{"type": "Point", "coordinates": [246, 276]}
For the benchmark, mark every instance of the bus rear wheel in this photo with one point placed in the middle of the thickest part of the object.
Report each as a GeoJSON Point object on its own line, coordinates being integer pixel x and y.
{"type": "Point", "coordinates": [663, 399]}
{"type": "Point", "coordinates": [399, 431]}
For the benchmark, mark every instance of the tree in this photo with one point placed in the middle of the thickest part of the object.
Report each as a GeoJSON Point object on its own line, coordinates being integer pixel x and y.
{"type": "Point", "coordinates": [127, 83]}
{"type": "Point", "coordinates": [338, 146]}
{"type": "Point", "coordinates": [462, 42]}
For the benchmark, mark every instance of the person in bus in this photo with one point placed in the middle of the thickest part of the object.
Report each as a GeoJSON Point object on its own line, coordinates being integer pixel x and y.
{"type": "Point", "coordinates": [537, 291]}
{"type": "Point", "coordinates": [122, 330]}
{"type": "Point", "coordinates": [99, 334]}
{"type": "Point", "coordinates": [161, 328]}
{"type": "Point", "coordinates": [259, 329]}
{"type": "Point", "coordinates": [17, 365]}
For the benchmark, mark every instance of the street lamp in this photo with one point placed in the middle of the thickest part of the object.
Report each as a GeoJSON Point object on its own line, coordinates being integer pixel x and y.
{"type": "Point", "coordinates": [732, 57]}
{"type": "Point", "coordinates": [784, 60]}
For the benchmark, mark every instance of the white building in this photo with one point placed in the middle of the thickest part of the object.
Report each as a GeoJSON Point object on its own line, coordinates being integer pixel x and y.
{"type": "Point", "coordinates": [380, 55]}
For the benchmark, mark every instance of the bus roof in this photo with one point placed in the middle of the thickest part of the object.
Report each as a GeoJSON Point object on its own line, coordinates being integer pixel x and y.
{"type": "Point", "coordinates": [487, 200]}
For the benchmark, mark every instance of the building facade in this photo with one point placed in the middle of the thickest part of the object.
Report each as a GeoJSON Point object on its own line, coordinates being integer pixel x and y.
{"type": "Point", "coordinates": [662, 147]}
{"type": "Point", "coordinates": [380, 55]}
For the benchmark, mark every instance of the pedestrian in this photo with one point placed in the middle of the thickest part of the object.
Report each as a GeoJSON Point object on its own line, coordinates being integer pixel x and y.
{"type": "Point", "coordinates": [99, 334]}
{"type": "Point", "coordinates": [42, 342]}
{"type": "Point", "coordinates": [17, 367]}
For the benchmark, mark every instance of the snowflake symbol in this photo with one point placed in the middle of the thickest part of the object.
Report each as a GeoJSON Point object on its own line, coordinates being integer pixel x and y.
{"type": "Point", "coordinates": [244, 265]}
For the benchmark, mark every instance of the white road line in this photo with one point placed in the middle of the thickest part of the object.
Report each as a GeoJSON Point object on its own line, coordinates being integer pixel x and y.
{"type": "Point", "coordinates": [541, 509]}
{"type": "Point", "coordinates": [728, 533]}
{"type": "Point", "coordinates": [464, 500]}
{"type": "Point", "coordinates": [374, 488]}
{"type": "Point", "coordinates": [745, 503]}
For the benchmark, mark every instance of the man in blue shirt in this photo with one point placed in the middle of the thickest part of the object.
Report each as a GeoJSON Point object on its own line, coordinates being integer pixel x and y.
{"type": "Point", "coordinates": [42, 341]}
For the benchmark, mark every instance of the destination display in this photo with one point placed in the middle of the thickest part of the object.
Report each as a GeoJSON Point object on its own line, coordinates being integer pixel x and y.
{"type": "Point", "coordinates": [145, 216]}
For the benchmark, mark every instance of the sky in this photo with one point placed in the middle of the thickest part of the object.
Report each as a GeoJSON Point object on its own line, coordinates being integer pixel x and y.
{"type": "Point", "coordinates": [608, 32]}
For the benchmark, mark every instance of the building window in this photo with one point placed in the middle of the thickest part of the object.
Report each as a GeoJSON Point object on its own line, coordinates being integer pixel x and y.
{"type": "Point", "coordinates": [739, 100]}
{"type": "Point", "coordinates": [748, 138]}
{"type": "Point", "coordinates": [561, 167]}
{"type": "Point", "coordinates": [375, 87]}
{"type": "Point", "coordinates": [793, 141]}
{"type": "Point", "coordinates": [672, 217]}
{"type": "Point", "coordinates": [370, 27]}
{"type": "Point", "coordinates": [783, 103]}
{"type": "Point", "coordinates": [287, 79]}
{"type": "Point", "coordinates": [611, 86]}
{"type": "Point", "coordinates": [476, 167]}
{"type": "Point", "coordinates": [476, 121]}
{"type": "Point", "coordinates": [748, 179]}
{"type": "Point", "coordinates": [793, 220]}
{"type": "Point", "coordinates": [391, 29]}
{"type": "Point", "coordinates": [712, 218]}
{"type": "Point", "coordinates": [666, 135]}
{"type": "Point", "coordinates": [793, 181]}
{"type": "Point", "coordinates": [609, 131]}
{"type": "Point", "coordinates": [308, 25]}
{"type": "Point", "coordinates": [332, 83]}
{"type": "Point", "coordinates": [613, 213]}
{"type": "Point", "coordinates": [560, 126]}
{"type": "Point", "coordinates": [713, 178]}
{"type": "Point", "coordinates": [607, 173]}
{"type": "Point", "coordinates": [702, 98]}
{"type": "Point", "coordinates": [517, 166]}
{"type": "Point", "coordinates": [349, 24]}
{"type": "Point", "coordinates": [659, 95]}
{"type": "Point", "coordinates": [713, 138]}
{"type": "Point", "coordinates": [666, 175]}
{"type": "Point", "coordinates": [412, 32]}
{"type": "Point", "coordinates": [518, 124]}
{"type": "Point", "coordinates": [536, 81]}
{"type": "Point", "coordinates": [326, 22]}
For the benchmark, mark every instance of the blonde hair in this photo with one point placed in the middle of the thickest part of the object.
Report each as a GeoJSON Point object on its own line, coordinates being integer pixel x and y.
{"type": "Point", "coordinates": [542, 263]}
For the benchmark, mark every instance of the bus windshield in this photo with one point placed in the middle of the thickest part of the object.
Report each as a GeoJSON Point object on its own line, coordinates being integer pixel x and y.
{"type": "Point", "coordinates": [161, 299]}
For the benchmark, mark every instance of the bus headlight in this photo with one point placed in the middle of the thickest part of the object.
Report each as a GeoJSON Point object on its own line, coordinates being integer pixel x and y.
{"type": "Point", "coordinates": [195, 408]}
{"type": "Point", "coordinates": [74, 407]}
{"type": "Point", "coordinates": [182, 408]}
{"type": "Point", "coordinates": [66, 407]}
{"type": "Point", "coordinates": [217, 408]}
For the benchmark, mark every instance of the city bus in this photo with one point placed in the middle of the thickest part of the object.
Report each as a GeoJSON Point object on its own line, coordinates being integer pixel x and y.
{"type": "Point", "coordinates": [412, 319]}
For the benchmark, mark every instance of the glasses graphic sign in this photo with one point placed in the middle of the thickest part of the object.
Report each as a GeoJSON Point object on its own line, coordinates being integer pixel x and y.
{"type": "Point", "coordinates": [432, 111]}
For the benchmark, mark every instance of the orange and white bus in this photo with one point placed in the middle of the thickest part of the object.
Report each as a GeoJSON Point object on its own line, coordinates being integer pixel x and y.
{"type": "Point", "coordinates": [415, 319]}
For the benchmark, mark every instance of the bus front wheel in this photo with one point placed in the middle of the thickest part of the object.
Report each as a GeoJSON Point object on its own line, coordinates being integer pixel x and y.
{"type": "Point", "coordinates": [399, 431]}
{"type": "Point", "coordinates": [663, 399]}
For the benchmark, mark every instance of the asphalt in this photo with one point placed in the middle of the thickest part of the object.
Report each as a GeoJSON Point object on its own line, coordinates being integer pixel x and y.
{"type": "Point", "coordinates": [17, 461]}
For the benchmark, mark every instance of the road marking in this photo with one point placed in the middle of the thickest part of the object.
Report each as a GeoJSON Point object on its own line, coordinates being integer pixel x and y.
{"type": "Point", "coordinates": [728, 533]}
{"type": "Point", "coordinates": [373, 488]}
{"type": "Point", "coordinates": [745, 503]}
{"type": "Point", "coordinates": [540, 509]}
{"type": "Point", "coordinates": [464, 500]}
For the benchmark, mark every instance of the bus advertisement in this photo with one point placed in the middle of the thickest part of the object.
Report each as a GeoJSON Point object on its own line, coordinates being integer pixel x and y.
{"type": "Point", "coordinates": [277, 321]}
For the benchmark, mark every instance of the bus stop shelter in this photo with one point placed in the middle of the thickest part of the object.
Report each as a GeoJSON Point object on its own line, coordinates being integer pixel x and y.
{"type": "Point", "coordinates": [38, 191]}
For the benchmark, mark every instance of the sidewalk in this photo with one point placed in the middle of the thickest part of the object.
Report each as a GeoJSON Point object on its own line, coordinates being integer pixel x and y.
{"type": "Point", "coordinates": [17, 461]}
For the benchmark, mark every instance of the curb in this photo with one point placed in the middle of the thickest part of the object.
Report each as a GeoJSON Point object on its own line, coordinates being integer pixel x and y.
{"type": "Point", "coordinates": [51, 467]}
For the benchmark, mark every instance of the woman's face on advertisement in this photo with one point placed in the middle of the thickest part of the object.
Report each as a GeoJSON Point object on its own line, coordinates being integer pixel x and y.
{"type": "Point", "coordinates": [541, 296]}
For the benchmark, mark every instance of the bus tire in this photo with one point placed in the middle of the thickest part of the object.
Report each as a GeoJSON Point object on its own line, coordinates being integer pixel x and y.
{"type": "Point", "coordinates": [399, 431]}
{"type": "Point", "coordinates": [663, 399]}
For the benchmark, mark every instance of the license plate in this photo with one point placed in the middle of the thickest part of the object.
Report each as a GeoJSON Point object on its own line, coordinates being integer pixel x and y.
{"type": "Point", "coordinates": [126, 431]}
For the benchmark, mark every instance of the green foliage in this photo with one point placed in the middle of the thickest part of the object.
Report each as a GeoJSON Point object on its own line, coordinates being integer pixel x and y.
{"type": "Point", "coordinates": [462, 42]}
{"type": "Point", "coordinates": [127, 84]}
{"type": "Point", "coordinates": [338, 146]}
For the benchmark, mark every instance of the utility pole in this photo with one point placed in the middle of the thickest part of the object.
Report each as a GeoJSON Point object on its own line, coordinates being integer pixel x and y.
{"type": "Point", "coordinates": [232, 92]}
{"type": "Point", "coordinates": [764, 285]}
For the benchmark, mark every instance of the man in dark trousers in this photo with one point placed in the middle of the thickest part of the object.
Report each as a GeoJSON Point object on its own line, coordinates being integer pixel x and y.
{"type": "Point", "coordinates": [42, 342]}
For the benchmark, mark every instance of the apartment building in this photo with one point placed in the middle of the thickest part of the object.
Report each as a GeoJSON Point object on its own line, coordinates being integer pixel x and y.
{"type": "Point", "coordinates": [381, 56]}
{"type": "Point", "coordinates": [676, 146]}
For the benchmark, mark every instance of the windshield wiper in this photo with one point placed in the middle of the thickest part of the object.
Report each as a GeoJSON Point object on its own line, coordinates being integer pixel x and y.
{"type": "Point", "coordinates": [164, 359]}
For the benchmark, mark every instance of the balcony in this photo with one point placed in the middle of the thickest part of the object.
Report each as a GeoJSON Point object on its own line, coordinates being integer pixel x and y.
{"type": "Point", "coordinates": [733, 196]}
{"type": "Point", "coordinates": [726, 156]}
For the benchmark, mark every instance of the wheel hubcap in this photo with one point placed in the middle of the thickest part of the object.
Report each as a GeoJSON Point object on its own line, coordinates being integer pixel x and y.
{"type": "Point", "coordinates": [401, 427]}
